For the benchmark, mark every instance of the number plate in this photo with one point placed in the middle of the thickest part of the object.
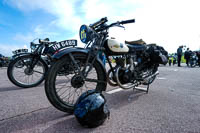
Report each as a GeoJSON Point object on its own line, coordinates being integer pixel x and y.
{"type": "Point", "coordinates": [64, 44]}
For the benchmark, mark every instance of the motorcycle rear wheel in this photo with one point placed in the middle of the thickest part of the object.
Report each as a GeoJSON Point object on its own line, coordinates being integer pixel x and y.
{"type": "Point", "coordinates": [63, 84]}
{"type": "Point", "coordinates": [192, 63]}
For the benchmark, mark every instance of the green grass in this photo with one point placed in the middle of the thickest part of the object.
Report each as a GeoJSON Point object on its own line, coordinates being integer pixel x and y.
{"type": "Point", "coordinates": [183, 59]}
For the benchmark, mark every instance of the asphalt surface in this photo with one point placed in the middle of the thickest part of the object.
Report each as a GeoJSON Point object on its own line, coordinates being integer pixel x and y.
{"type": "Point", "coordinates": [172, 106]}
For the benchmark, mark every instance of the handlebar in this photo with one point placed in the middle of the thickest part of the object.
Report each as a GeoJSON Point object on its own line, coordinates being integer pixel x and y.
{"type": "Point", "coordinates": [128, 21]}
{"type": "Point", "coordinates": [104, 27]}
{"type": "Point", "coordinates": [44, 40]}
{"type": "Point", "coordinates": [101, 21]}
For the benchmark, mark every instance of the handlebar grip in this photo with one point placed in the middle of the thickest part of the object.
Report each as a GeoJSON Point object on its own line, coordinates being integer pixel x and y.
{"type": "Point", "coordinates": [103, 20]}
{"type": "Point", "coordinates": [127, 21]}
{"type": "Point", "coordinates": [44, 40]}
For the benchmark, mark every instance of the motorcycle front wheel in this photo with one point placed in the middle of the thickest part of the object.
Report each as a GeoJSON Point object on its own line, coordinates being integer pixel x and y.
{"type": "Point", "coordinates": [64, 84]}
{"type": "Point", "coordinates": [22, 75]}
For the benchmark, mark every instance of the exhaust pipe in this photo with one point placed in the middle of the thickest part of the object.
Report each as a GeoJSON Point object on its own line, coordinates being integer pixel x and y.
{"type": "Point", "coordinates": [146, 80]}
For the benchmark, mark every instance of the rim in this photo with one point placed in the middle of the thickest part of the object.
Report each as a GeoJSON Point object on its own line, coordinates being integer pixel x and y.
{"type": "Point", "coordinates": [70, 86]}
{"type": "Point", "coordinates": [23, 75]}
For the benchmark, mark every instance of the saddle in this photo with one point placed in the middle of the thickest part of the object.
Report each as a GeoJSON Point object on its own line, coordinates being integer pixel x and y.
{"type": "Point", "coordinates": [137, 42]}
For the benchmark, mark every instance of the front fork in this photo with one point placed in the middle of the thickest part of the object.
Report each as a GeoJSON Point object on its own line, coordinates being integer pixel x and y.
{"type": "Point", "coordinates": [90, 58]}
{"type": "Point", "coordinates": [32, 63]}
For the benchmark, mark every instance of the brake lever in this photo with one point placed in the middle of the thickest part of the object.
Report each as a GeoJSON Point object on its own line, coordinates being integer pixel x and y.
{"type": "Point", "coordinates": [119, 25]}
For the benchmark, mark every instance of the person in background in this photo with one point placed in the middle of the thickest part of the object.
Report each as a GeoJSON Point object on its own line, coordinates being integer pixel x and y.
{"type": "Point", "coordinates": [187, 56]}
{"type": "Point", "coordinates": [179, 55]}
{"type": "Point", "coordinates": [174, 58]}
{"type": "Point", "coordinates": [1, 60]}
{"type": "Point", "coordinates": [170, 59]}
{"type": "Point", "coordinates": [102, 57]}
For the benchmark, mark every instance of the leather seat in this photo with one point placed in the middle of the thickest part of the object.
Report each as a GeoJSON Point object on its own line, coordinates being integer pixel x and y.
{"type": "Point", "coordinates": [138, 45]}
{"type": "Point", "coordinates": [137, 42]}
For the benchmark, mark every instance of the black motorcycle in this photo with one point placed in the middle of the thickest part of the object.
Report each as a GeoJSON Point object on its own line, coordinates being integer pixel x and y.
{"type": "Point", "coordinates": [82, 69]}
{"type": "Point", "coordinates": [29, 69]}
{"type": "Point", "coordinates": [4, 61]}
{"type": "Point", "coordinates": [193, 61]}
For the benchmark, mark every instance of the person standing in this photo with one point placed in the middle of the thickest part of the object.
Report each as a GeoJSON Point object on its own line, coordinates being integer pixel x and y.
{"type": "Point", "coordinates": [187, 56]}
{"type": "Point", "coordinates": [179, 54]}
{"type": "Point", "coordinates": [102, 57]}
{"type": "Point", "coordinates": [170, 60]}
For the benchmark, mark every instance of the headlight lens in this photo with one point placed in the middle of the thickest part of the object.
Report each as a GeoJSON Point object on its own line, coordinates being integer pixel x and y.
{"type": "Point", "coordinates": [33, 46]}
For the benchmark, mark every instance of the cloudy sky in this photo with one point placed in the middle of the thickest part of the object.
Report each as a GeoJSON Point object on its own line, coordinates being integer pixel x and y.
{"type": "Point", "coordinates": [169, 23]}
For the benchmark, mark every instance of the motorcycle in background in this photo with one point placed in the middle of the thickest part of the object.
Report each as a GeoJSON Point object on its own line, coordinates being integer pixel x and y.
{"type": "Point", "coordinates": [194, 61]}
{"type": "Point", "coordinates": [4, 61]}
{"type": "Point", "coordinates": [136, 64]}
{"type": "Point", "coordinates": [29, 69]}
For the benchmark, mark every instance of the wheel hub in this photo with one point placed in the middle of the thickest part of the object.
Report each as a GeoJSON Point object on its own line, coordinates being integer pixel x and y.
{"type": "Point", "coordinates": [28, 71]}
{"type": "Point", "coordinates": [77, 81]}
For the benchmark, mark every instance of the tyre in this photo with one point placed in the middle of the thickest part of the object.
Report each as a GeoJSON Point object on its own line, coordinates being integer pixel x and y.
{"type": "Point", "coordinates": [20, 73]}
{"type": "Point", "coordinates": [63, 84]}
{"type": "Point", "coordinates": [192, 63]}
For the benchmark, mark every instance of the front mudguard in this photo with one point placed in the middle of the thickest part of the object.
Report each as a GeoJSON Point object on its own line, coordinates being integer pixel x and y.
{"type": "Point", "coordinates": [32, 56]}
{"type": "Point", "coordinates": [17, 55]}
{"type": "Point", "coordinates": [65, 53]}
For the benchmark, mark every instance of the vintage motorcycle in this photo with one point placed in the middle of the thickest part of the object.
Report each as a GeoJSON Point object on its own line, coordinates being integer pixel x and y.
{"type": "Point", "coordinates": [82, 70]}
{"type": "Point", "coordinates": [29, 69]}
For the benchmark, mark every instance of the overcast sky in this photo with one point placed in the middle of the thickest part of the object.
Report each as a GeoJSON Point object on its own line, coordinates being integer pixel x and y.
{"type": "Point", "coordinates": [169, 23]}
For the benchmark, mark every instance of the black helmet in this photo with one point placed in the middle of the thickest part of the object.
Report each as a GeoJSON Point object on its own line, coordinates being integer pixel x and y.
{"type": "Point", "coordinates": [91, 109]}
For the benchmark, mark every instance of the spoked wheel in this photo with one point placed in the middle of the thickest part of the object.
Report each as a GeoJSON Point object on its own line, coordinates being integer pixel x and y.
{"type": "Point", "coordinates": [64, 84]}
{"type": "Point", "coordinates": [192, 63]}
{"type": "Point", "coordinates": [21, 74]}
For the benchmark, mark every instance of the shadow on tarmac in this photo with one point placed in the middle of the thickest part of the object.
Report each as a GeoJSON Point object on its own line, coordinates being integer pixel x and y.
{"type": "Point", "coordinates": [52, 120]}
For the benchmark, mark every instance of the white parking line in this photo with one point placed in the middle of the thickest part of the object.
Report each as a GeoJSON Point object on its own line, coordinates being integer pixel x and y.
{"type": "Point", "coordinates": [161, 78]}
{"type": "Point", "coordinates": [120, 89]}
{"type": "Point", "coordinates": [141, 88]}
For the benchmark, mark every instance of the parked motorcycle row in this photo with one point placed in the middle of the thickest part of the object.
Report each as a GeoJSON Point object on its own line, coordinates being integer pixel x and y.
{"type": "Point", "coordinates": [70, 71]}
{"type": "Point", "coordinates": [193, 59]}
{"type": "Point", "coordinates": [4, 61]}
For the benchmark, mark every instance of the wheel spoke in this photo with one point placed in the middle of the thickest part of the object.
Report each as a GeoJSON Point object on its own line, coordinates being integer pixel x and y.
{"type": "Point", "coordinates": [69, 84]}
{"type": "Point", "coordinates": [94, 80]}
{"type": "Point", "coordinates": [37, 72]}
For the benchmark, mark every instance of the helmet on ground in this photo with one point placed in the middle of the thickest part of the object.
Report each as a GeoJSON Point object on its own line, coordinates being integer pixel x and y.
{"type": "Point", "coordinates": [91, 109]}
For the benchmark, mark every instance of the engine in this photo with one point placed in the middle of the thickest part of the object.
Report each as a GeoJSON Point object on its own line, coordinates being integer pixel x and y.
{"type": "Point", "coordinates": [122, 71]}
{"type": "Point", "coordinates": [125, 75]}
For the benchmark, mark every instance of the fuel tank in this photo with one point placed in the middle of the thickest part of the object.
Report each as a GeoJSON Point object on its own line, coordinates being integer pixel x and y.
{"type": "Point", "coordinates": [114, 47]}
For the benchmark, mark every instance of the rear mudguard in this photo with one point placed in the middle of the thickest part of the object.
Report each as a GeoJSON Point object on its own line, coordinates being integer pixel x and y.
{"type": "Point", "coordinates": [76, 50]}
